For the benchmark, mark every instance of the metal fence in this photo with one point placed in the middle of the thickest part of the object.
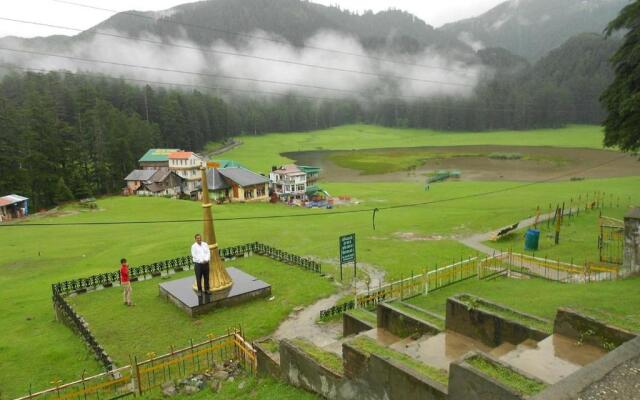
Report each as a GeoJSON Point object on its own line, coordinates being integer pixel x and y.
{"type": "Point", "coordinates": [142, 376]}
{"type": "Point", "coordinates": [68, 314]}
{"type": "Point", "coordinates": [413, 285]}
{"type": "Point", "coordinates": [108, 279]}
{"type": "Point", "coordinates": [557, 270]}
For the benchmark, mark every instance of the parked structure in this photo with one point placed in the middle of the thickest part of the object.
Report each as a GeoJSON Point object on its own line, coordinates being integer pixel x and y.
{"type": "Point", "coordinates": [13, 206]}
{"type": "Point", "coordinates": [156, 158]}
{"type": "Point", "coordinates": [288, 182]}
{"type": "Point", "coordinates": [187, 165]}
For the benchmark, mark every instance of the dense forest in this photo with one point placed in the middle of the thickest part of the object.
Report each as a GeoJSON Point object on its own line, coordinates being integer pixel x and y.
{"type": "Point", "coordinates": [66, 136]}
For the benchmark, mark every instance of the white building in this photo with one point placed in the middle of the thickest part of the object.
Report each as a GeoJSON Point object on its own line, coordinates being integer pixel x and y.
{"type": "Point", "coordinates": [288, 182]}
{"type": "Point", "coordinates": [187, 165]}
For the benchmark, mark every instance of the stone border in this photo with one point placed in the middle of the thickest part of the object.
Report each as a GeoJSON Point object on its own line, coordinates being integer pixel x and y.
{"type": "Point", "coordinates": [382, 378]}
{"type": "Point", "coordinates": [352, 325]}
{"type": "Point", "coordinates": [469, 383]}
{"type": "Point", "coordinates": [487, 327]}
{"type": "Point", "coordinates": [267, 366]}
{"type": "Point", "coordinates": [570, 387]}
{"type": "Point", "coordinates": [299, 369]}
{"type": "Point", "coordinates": [588, 330]}
{"type": "Point", "coordinates": [402, 324]}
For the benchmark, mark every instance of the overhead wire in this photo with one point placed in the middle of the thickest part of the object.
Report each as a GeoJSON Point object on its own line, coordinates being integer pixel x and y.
{"type": "Point", "coordinates": [256, 80]}
{"type": "Point", "coordinates": [236, 54]}
{"type": "Point", "coordinates": [308, 215]}
{"type": "Point", "coordinates": [249, 36]}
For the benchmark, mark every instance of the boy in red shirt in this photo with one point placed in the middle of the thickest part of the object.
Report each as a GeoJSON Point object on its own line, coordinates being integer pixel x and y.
{"type": "Point", "coordinates": [124, 282]}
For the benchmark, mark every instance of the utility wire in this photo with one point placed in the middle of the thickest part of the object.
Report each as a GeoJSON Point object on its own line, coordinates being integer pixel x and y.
{"type": "Point", "coordinates": [235, 54]}
{"type": "Point", "coordinates": [346, 91]}
{"type": "Point", "coordinates": [221, 88]}
{"type": "Point", "coordinates": [365, 210]}
{"type": "Point", "coordinates": [249, 36]}
{"type": "Point", "coordinates": [147, 67]}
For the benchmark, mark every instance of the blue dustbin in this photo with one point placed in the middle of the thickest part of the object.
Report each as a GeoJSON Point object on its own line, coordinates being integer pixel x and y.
{"type": "Point", "coordinates": [531, 239]}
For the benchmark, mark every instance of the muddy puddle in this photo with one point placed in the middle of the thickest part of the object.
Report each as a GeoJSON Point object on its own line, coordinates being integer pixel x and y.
{"type": "Point", "coordinates": [553, 358]}
{"type": "Point", "coordinates": [474, 163]}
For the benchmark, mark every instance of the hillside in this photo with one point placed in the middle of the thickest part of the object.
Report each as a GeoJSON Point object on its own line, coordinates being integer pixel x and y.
{"type": "Point", "coordinates": [240, 22]}
{"type": "Point", "coordinates": [531, 28]}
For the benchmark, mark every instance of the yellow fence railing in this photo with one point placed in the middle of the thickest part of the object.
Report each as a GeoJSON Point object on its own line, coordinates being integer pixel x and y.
{"type": "Point", "coordinates": [142, 376]}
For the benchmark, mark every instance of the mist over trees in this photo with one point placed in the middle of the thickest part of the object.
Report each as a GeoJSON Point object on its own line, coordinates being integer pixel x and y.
{"type": "Point", "coordinates": [70, 135]}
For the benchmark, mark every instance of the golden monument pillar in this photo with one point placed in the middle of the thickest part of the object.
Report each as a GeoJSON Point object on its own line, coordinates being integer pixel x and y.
{"type": "Point", "coordinates": [219, 279]}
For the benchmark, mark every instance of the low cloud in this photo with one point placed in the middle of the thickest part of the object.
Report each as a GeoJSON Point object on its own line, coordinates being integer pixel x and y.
{"type": "Point", "coordinates": [430, 73]}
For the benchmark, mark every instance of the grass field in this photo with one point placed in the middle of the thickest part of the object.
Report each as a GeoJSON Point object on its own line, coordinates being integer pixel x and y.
{"type": "Point", "coordinates": [261, 152]}
{"type": "Point", "coordinates": [39, 350]}
{"type": "Point", "coordinates": [166, 325]}
{"type": "Point", "coordinates": [578, 236]}
{"type": "Point", "coordinates": [540, 297]}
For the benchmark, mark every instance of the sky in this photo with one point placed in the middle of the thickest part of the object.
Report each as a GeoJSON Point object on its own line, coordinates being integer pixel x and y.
{"type": "Point", "coordinates": [433, 12]}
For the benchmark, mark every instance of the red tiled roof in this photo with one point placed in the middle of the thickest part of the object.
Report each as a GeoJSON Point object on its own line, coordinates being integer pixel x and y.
{"type": "Point", "coordinates": [180, 155]}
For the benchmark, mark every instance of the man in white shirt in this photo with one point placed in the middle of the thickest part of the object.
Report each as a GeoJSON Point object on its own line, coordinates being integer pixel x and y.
{"type": "Point", "coordinates": [201, 255]}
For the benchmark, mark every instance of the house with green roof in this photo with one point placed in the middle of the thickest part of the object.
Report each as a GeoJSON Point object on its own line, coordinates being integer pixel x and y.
{"type": "Point", "coordinates": [156, 158]}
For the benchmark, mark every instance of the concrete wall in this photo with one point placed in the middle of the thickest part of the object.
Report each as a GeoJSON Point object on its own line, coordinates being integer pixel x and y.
{"type": "Point", "coordinates": [268, 366]}
{"type": "Point", "coordinates": [352, 325]}
{"type": "Point", "coordinates": [299, 369]}
{"type": "Point", "coordinates": [366, 377]}
{"type": "Point", "coordinates": [402, 324]}
{"type": "Point", "coordinates": [588, 330]}
{"type": "Point", "coordinates": [631, 257]}
{"type": "Point", "coordinates": [378, 378]}
{"type": "Point", "coordinates": [468, 383]}
{"type": "Point", "coordinates": [598, 372]}
{"type": "Point", "coordinates": [487, 327]}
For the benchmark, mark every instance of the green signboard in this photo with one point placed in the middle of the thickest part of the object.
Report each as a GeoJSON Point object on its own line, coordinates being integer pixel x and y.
{"type": "Point", "coordinates": [347, 248]}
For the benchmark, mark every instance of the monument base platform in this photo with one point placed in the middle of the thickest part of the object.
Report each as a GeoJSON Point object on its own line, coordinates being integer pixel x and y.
{"type": "Point", "coordinates": [245, 287]}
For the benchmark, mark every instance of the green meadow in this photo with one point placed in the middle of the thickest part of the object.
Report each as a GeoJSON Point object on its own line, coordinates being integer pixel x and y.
{"type": "Point", "coordinates": [542, 298]}
{"type": "Point", "coordinates": [261, 152]}
{"type": "Point", "coordinates": [405, 240]}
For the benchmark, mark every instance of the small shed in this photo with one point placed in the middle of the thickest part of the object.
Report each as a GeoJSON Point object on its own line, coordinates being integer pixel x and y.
{"type": "Point", "coordinates": [13, 206]}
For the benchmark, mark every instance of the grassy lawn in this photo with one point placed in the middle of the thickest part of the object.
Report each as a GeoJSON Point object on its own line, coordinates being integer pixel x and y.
{"type": "Point", "coordinates": [539, 297]}
{"type": "Point", "coordinates": [578, 236]}
{"type": "Point", "coordinates": [117, 327]}
{"type": "Point", "coordinates": [39, 350]}
{"type": "Point", "coordinates": [261, 152]}
{"type": "Point", "coordinates": [35, 257]}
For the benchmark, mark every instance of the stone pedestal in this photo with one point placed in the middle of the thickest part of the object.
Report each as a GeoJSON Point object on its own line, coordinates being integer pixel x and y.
{"type": "Point", "coordinates": [245, 287]}
{"type": "Point", "coordinates": [631, 258]}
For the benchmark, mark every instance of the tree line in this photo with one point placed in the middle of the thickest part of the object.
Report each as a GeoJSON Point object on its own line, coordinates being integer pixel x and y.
{"type": "Point", "coordinates": [67, 136]}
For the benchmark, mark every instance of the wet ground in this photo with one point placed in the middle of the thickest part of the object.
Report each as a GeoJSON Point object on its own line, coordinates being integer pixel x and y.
{"type": "Point", "coordinates": [550, 360]}
{"type": "Point", "coordinates": [538, 163]}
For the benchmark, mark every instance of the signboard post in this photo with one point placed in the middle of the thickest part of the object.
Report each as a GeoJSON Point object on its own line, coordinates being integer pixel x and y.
{"type": "Point", "coordinates": [347, 245]}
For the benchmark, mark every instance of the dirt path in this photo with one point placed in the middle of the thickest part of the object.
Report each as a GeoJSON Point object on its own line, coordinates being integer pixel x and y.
{"type": "Point", "coordinates": [234, 143]}
{"type": "Point", "coordinates": [302, 322]}
{"type": "Point", "coordinates": [476, 241]}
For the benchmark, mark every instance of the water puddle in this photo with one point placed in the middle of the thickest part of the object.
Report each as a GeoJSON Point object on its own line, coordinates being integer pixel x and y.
{"type": "Point", "coordinates": [552, 359]}
{"type": "Point", "coordinates": [382, 336]}
{"type": "Point", "coordinates": [442, 349]}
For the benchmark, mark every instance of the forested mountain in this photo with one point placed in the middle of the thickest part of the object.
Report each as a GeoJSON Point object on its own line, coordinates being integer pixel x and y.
{"type": "Point", "coordinates": [531, 28]}
{"type": "Point", "coordinates": [294, 21]}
